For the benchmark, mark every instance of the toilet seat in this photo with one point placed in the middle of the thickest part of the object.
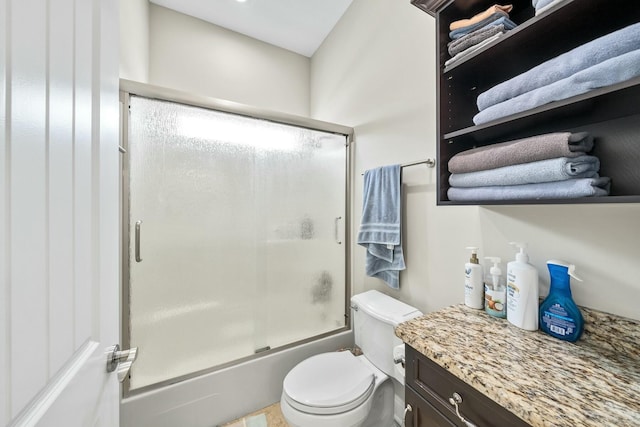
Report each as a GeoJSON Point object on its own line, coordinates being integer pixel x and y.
{"type": "Point", "coordinates": [329, 383]}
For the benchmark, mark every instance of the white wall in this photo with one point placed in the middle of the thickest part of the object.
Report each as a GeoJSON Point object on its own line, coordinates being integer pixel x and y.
{"type": "Point", "coordinates": [134, 40]}
{"type": "Point", "coordinates": [198, 57]}
{"type": "Point", "coordinates": [376, 72]}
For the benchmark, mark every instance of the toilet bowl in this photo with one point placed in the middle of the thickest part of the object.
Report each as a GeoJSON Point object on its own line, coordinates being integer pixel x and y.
{"type": "Point", "coordinates": [339, 390]}
{"type": "Point", "coordinates": [342, 390]}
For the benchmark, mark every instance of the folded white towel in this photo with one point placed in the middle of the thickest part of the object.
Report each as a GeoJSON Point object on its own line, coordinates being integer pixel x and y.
{"type": "Point", "coordinates": [546, 4]}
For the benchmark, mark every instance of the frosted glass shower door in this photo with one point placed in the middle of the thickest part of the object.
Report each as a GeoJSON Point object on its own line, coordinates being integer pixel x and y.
{"type": "Point", "coordinates": [238, 245]}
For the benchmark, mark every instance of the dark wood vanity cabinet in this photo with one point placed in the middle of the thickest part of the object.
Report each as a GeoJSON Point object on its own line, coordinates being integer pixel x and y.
{"type": "Point", "coordinates": [429, 388]}
{"type": "Point", "coordinates": [611, 114]}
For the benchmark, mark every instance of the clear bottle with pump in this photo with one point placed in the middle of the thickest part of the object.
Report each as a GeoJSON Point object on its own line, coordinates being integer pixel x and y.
{"type": "Point", "coordinates": [495, 290]}
{"type": "Point", "coordinates": [522, 291]}
{"type": "Point", "coordinates": [560, 317]}
{"type": "Point", "coordinates": [473, 288]}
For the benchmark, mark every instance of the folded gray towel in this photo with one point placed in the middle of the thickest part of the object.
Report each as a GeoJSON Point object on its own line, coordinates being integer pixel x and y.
{"type": "Point", "coordinates": [606, 73]}
{"type": "Point", "coordinates": [525, 150]}
{"type": "Point", "coordinates": [468, 51]}
{"type": "Point", "coordinates": [380, 229]}
{"type": "Point", "coordinates": [473, 38]}
{"type": "Point", "coordinates": [565, 65]}
{"type": "Point", "coordinates": [558, 169]}
{"type": "Point", "coordinates": [569, 189]}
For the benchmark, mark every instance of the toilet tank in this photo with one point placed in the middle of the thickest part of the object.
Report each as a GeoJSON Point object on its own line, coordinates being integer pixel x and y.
{"type": "Point", "coordinates": [375, 316]}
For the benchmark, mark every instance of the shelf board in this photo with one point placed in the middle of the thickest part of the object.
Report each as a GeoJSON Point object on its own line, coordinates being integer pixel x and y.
{"type": "Point", "coordinates": [582, 200]}
{"type": "Point", "coordinates": [603, 103]}
{"type": "Point", "coordinates": [429, 6]}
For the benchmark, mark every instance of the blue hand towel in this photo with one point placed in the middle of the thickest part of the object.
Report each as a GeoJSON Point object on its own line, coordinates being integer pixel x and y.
{"type": "Point", "coordinates": [569, 189]}
{"type": "Point", "coordinates": [558, 169]}
{"type": "Point", "coordinates": [614, 70]}
{"type": "Point", "coordinates": [380, 227]}
{"type": "Point", "coordinates": [565, 65]}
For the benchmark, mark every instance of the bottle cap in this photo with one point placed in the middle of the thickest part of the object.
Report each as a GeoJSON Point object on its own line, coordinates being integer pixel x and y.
{"type": "Point", "coordinates": [495, 269]}
{"type": "Point", "coordinates": [474, 254]}
{"type": "Point", "coordinates": [521, 256]}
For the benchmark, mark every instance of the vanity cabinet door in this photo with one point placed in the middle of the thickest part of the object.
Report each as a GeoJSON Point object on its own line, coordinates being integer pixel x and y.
{"type": "Point", "coordinates": [422, 413]}
{"type": "Point", "coordinates": [438, 387]}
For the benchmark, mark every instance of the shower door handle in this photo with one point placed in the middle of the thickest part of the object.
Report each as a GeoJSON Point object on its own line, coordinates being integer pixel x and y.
{"type": "Point", "coordinates": [121, 360]}
{"type": "Point", "coordinates": [137, 241]}
{"type": "Point", "coordinates": [335, 229]}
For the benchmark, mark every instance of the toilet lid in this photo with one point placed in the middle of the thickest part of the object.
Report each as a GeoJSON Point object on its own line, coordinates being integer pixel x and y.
{"type": "Point", "coordinates": [329, 383]}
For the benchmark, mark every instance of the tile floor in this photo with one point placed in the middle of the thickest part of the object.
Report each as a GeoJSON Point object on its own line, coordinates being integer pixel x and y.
{"type": "Point", "coordinates": [271, 416]}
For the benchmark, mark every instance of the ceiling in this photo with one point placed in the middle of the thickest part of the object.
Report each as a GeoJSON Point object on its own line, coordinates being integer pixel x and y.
{"type": "Point", "coordinates": [296, 25]}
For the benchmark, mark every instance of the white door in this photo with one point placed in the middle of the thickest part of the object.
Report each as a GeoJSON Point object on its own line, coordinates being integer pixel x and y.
{"type": "Point", "coordinates": [58, 211]}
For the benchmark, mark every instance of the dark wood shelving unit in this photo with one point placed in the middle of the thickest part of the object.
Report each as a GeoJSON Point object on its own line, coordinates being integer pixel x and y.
{"type": "Point", "coordinates": [611, 114]}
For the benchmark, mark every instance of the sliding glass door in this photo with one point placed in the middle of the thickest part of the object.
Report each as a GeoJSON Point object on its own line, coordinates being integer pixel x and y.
{"type": "Point", "coordinates": [235, 237]}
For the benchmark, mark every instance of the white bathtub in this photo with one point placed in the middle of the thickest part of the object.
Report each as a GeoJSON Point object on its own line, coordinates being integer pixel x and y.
{"type": "Point", "coordinates": [224, 395]}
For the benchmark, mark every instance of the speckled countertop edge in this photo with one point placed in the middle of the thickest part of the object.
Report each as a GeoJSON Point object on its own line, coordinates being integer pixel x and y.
{"type": "Point", "coordinates": [545, 381]}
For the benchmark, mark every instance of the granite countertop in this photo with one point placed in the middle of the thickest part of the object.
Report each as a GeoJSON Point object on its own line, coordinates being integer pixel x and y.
{"type": "Point", "coordinates": [543, 380]}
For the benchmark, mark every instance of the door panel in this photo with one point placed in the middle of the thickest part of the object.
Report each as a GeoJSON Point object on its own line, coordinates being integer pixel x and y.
{"type": "Point", "coordinates": [58, 211]}
{"type": "Point", "coordinates": [4, 217]}
{"type": "Point", "coordinates": [60, 263]}
{"type": "Point", "coordinates": [27, 202]}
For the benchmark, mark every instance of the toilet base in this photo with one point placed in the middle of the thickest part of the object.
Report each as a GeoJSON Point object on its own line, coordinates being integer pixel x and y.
{"type": "Point", "coordinates": [376, 412]}
{"type": "Point", "coordinates": [382, 407]}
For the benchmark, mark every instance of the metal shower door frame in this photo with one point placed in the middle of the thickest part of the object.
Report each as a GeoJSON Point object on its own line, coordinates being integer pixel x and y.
{"type": "Point", "coordinates": [129, 88]}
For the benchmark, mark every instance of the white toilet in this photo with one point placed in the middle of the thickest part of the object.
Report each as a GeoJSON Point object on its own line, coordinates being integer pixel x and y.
{"type": "Point", "coordinates": [339, 389]}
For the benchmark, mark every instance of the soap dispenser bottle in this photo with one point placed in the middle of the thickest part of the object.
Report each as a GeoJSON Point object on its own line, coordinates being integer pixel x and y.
{"type": "Point", "coordinates": [560, 317]}
{"type": "Point", "coordinates": [495, 291]}
{"type": "Point", "coordinates": [473, 288]}
{"type": "Point", "coordinates": [522, 291]}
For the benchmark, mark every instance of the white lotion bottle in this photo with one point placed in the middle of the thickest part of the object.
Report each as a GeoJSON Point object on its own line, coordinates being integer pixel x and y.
{"type": "Point", "coordinates": [473, 281]}
{"type": "Point", "coordinates": [522, 291]}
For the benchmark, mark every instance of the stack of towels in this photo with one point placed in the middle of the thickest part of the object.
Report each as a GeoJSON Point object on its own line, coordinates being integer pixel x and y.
{"type": "Point", "coordinates": [469, 35]}
{"type": "Point", "coordinates": [548, 166]}
{"type": "Point", "coordinates": [605, 61]}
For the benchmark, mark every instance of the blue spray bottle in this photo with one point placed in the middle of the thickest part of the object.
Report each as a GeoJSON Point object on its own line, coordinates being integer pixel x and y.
{"type": "Point", "coordinates": [560, 317]}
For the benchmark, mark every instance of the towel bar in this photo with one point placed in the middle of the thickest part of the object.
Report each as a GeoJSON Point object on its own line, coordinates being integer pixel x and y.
{"type": "Point", "coordinates": [429, 162]}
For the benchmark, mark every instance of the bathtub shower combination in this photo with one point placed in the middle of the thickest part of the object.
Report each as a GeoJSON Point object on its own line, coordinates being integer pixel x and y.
{"type": "Point", "coordinates": [233, 241]}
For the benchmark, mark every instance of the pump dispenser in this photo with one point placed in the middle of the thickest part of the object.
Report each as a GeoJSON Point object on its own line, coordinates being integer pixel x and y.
{"type": "Point", "coordinates": [522, 291]}
{"type": "Point", "coordinates": [473, 289]}
{"type": "Point", "coordinates": [560, 317]}
{"type": "Point", "coordinates": [495, 290]}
